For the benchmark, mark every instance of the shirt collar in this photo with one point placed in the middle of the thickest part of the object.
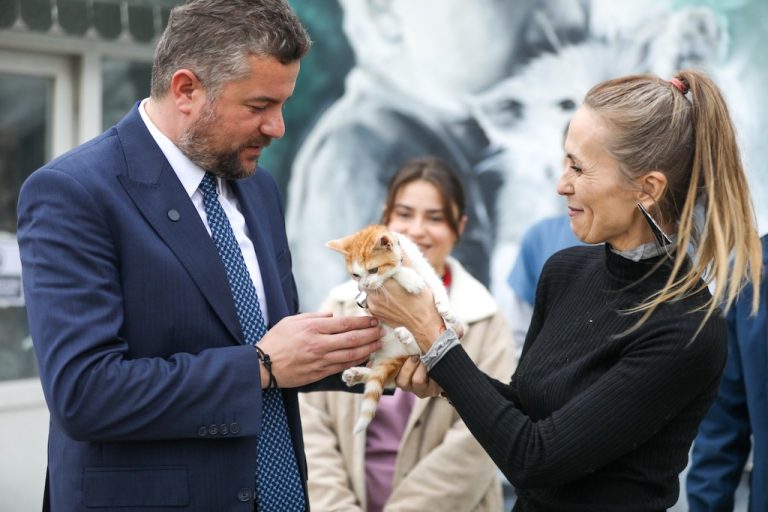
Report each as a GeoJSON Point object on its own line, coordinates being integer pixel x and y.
{"type": "Point", "coordinates": [189, 173]}
{"type": "Point", "coordinates": [647, 250]}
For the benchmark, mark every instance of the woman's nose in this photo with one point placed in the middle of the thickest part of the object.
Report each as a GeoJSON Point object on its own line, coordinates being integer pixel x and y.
{"type": "Point", "coordinates": [412, 229]}
{"type": "Point", "coordinates": [416, 227]}
{"type": "Point", "coordinates": [564, 186]}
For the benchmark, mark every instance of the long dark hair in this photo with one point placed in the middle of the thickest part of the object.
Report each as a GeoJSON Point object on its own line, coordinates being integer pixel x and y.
{"type": "Point", "coordinates": [437, 172]}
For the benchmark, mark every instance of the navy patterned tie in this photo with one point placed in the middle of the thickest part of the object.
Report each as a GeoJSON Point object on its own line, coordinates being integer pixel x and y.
{"type": "Point", "coordinates": [278, 485]}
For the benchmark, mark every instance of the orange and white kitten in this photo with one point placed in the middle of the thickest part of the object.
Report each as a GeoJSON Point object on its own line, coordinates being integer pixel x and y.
{"type": "Point", "coordinates": [373, 255]}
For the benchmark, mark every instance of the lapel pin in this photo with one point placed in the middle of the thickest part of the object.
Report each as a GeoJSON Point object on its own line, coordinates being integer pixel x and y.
{"type": "Point", "coordinates": [174, 215]}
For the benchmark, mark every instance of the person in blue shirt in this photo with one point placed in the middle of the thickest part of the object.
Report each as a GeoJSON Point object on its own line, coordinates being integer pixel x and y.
{"type": "Point", "coordinates": [539, 242]}
{"type": "Point", "coordinates": [738, 420]}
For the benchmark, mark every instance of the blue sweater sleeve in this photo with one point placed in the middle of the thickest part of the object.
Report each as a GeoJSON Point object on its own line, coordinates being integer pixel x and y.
{"type": "Point", "coordinates": [722, 446]}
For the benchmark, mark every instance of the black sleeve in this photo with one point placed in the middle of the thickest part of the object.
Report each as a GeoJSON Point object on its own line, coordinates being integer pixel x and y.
{"type": "Point", "coordinates": [618, 412]}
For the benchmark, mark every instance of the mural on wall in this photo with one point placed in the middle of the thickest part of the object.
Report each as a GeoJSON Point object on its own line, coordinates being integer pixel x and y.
{"type": "Point", "coordinates": [490, 89]}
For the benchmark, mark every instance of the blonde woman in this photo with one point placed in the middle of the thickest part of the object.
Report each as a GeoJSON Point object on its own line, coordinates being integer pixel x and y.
{"type": "Point", "coordinates": [416, 454]}
{"type": "Point", "coordinates": [626, 345]}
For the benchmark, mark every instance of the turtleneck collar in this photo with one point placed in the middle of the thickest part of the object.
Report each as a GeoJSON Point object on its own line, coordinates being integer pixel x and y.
{"type": "Point", "coordinates": [654, 268]}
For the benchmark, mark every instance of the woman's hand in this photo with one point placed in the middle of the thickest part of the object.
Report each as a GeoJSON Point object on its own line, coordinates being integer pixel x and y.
{"type": "Point", "coordinates": [413, 377]}
{"type": "Point", "coordinates": [416, 312]}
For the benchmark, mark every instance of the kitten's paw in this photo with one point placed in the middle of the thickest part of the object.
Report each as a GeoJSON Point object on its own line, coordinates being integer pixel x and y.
{"type": "Point", "coordinates": [446, 312]}
{"type": "Point", "coordinates": [414, 288]}
{"type": "Point", "coordinates": [355, 375]}
{"type": "Point", "coordinates": [458, 328]}
{"type": "Point", "coordinates": [410, 280]}
{"type": "Point", "coordinates": [442, 307]}
{"type": "Point", "coordinates": [404, 336]}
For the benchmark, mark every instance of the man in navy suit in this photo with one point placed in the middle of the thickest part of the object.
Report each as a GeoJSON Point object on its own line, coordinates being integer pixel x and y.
{"type": "Point", "coordinates": [155, 400]}
{"type": "Point", "coordinates": [737, 423]}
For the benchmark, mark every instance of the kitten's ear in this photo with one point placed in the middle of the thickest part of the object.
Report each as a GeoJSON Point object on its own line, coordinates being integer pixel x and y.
{"type": "Point", "coordinates": [339, 245]}
{"type": "Point", "coordinates": [385, 242]}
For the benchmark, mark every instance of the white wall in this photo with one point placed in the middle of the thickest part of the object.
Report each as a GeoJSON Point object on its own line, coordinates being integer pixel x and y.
{"type": "Point", "coordinates": [23, 441]}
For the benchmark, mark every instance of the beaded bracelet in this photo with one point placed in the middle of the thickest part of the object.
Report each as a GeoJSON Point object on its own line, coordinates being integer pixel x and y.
{"type": "Point", "coordinates": [267, 362]}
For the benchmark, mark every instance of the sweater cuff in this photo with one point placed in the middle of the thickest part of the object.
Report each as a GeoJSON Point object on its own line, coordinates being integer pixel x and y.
{"type": "Point", "coordinates": [445, 342]}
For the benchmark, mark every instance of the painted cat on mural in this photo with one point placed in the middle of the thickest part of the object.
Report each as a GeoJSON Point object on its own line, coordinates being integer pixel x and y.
{"type": "Point", "coordinates": [526, 115]}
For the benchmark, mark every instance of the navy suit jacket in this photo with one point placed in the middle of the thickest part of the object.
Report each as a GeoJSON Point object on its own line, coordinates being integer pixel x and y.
{"type": "Point", "coordinates": [155, 401]}
{"type": "Point", "coordinates": [738, 420]}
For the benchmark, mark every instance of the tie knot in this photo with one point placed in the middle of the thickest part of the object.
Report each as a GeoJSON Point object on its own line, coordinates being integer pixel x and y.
{"type": "Point", "coordinates": [208, 185]}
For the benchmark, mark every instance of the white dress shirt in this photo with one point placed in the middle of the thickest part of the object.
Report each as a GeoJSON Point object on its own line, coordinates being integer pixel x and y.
{"type": "Point", "coordinates": [190, 176]}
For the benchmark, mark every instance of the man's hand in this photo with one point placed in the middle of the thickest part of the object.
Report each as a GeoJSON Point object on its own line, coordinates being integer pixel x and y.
{"type": "Point", "coordinates": [307, 347]}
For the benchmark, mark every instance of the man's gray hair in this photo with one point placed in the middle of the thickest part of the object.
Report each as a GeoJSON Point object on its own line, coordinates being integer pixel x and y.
{"type": "Point", "coordinates": [213, 38]}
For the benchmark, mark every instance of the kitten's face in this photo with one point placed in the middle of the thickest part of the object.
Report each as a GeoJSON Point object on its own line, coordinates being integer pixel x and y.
{"type": "Point", "coordinates": [371, 255]}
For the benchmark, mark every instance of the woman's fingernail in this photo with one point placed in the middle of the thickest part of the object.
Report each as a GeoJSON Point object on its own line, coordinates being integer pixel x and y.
{"type": "Point", "coordinates": [414, 359]}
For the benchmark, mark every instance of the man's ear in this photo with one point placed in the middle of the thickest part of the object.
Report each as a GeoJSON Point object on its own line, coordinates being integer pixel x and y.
{"type": "Point", "coordinates": [187, 91]}
{"type": "Point", "coordinates": [652, 188]}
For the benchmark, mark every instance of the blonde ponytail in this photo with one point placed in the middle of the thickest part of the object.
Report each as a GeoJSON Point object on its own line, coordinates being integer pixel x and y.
{"type": "Point", "coordinates": [682, 128]}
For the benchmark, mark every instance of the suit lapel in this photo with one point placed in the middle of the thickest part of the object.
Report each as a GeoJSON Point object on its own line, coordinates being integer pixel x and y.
{"type": "Point", "coordinates": [157, 193]}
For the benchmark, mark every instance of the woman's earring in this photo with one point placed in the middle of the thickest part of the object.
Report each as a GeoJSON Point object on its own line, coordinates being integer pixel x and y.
{"type": "Point", "coordinates": [661, 237]}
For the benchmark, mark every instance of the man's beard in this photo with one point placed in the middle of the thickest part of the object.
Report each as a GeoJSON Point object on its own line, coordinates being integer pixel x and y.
{"type": "Point", "coordinates": [198, 143]}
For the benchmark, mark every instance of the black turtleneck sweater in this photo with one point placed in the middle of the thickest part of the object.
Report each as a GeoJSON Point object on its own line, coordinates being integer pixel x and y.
{"type": "Point", "coordinates": [592, 421]}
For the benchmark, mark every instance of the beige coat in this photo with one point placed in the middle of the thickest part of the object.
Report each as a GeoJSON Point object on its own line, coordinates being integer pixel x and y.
{"type": "Point", "coordinates": [440, 466]}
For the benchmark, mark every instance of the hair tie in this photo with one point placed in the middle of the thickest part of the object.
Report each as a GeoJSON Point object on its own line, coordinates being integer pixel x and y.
{"type": "Point", "coordinates": [680, 85]}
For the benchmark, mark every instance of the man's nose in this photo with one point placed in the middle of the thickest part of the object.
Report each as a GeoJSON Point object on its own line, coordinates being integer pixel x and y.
{"type": "Point", "coordinates": [274, 125]}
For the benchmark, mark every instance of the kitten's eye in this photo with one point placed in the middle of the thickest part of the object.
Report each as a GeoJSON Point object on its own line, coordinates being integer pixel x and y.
{"type": "Point", "coordinates": [356, 277]}
{"type": "Point", "coordinates": [373, 270]}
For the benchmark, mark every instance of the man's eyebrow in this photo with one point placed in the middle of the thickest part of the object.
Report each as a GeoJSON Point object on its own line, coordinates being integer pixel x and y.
{"type": "Point", "coordinates": [265, 99]}
{"type": "Point", "coordinates": [260, 99]}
